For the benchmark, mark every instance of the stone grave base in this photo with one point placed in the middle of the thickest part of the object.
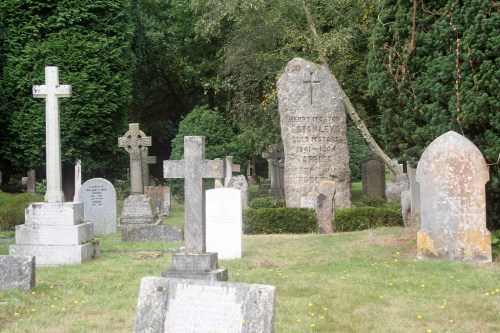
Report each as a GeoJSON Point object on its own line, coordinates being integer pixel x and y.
{"type": "Point", "coordinates": [151, 232]}
{"type": "Point", "coordinates": [138, 209]}
{"type": "Point", "coordinates": [48, 255]}
{"type": "Point", "coordinates": [54, 235]}
{"type": "Point", "coordinates": [203, 266]}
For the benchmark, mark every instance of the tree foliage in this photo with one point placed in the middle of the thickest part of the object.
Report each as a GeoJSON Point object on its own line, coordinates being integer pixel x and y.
{"type": "Point", "coordinates": [90, 42]}
{"type": "Point", "coordinates": [434, 68]}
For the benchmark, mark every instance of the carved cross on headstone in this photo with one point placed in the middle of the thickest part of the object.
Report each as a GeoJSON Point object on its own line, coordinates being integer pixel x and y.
{"type": "Point", "coordinates": [194, 168]}
{"type": "Point", "coordinates": [52, 91]}
{"type": "Point", "coordinates": [134, 142]}
{"type": "Point", "coordinates": [311, 81]}
{"type": "Point", "coordinates": [274, 156]}
{"type": "Point", "coordinates": [146, 161]}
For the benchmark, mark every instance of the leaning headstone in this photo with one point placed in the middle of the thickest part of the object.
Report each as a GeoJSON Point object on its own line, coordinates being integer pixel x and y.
{"type": "Point", "coordinates": [195, 262]}
{"type": "Point", "coordinates": [54, 231]}
{"type": "Point", "coordinates": [240, 183]}
{"type": "Point", "coordinates": [314, 132]}
{"type": "Point", "coordinates": [180, 305]}
{"type": "Point", "coordinates": [138, 207]}
{"type": "Point", "coordinates": [31, 182]}
{"type": "Point", "coordinates": [224, 222]}
{"type": "Point", "coordinates": [373, 177]}
{"type": "Point", "coordinates": [99, 205]}
{"type": "Point", "coordinates": [452, 174]}
{"type": "Point", "coordinates": [17, 272]}
{"type": "Point", "coordinates": [325, 206]}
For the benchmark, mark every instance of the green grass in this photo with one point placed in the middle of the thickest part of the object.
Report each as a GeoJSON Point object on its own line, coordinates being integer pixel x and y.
{"type": "Point", "coordinates": [350, 282]}
{"type": "Point", "coordinates": [176, 217]}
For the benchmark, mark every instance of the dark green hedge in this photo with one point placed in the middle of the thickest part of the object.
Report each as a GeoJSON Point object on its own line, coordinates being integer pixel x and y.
{"type": "Point", "coordinates": [360, 218]}
{"type": "Point", "coordinates": [279, 221]}
{"type": "Point", "coordinates": [267, 202]}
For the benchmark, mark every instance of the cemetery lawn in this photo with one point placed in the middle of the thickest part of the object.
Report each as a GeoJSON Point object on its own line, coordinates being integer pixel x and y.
{"type": "Point", "coordinates": [366, 281]}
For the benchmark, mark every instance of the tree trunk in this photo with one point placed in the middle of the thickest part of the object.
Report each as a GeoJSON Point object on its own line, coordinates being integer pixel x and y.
{"type": "Point", "coordinates": [392, 165]}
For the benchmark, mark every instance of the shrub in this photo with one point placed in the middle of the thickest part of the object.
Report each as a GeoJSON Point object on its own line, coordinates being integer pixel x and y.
{"type": "Point", "coordinates": [267, 202]}
{"type": "Point", "coordinates": [279, 220]}
{"type": "Point", "coordinates": [12, 209]}
{"type": "Point", "coordinates": [366, 217]}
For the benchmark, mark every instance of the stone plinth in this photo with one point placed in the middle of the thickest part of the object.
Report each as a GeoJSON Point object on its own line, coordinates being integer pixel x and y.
{"type": "Point", "coordinates": [200, 266]}
{"type": "Point", "coordinates": [152, 232]}
{"type": "Point", "coordinates": [314, 132]}
{"type": "Point", "coordinates": [17, 272]}
{"type": "Point", "coordinates": [55, 234]}
{"type": "Point", "coordinates": [138, 209]}
{"type": "Point", "coordinates": [452, 174]}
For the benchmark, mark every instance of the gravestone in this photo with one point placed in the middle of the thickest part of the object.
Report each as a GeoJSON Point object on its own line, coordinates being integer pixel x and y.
{"type": "Point", "coordinates": [54, 231]}
{"type": "Point", "coordinates": [17, 272]}
{"type": "Point", "coordinates": [314, 132]}
{"type": "Point", "coordinates": [161, 197]}
{"type": "Point", "coordinates": [251, 171]}
{"type": "Point", "coordinates": [396, 186]}
{"type": "Point", "coordinates": [99, 205]}
{"type": "Point", "coordinates": [151, 232]}
{"type": "Point", "coordinates": [373, 177]}
{"type": "Point", "coordinates": [229, 169]}
{"type": "Point", "coordinates": [414, 198]}
{"type": "Point", "coordinates": [194, 262]}
{"type": "Point", "coordinates": [180, 305]}
{"type": "Point", "coordinates": [273, 155]}
{"type": "Point", "coordinates": [146, 161]}
{"type": "Point", "coordinates": [452, 174]}
{"type": "Point", "coordinates": [138, 207]}
{"type": "Point", "coordinates": [240, 183]}
{"type": "Point", "coordinates": [325, 206]}
{"type": "Point", "coordinates": [31, 182]}
{"type": "Point", "coordinates": [78, 178]}
{"type": "Point", "coordinates": [224, 222]}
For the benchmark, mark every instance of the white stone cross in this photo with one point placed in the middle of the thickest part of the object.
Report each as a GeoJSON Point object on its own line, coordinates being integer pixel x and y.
{"type": "Point", "coordinates": [134, 142]}
{"type": "Point", "coordinates": [194, 168]}
{"type": "Point", "coordinates": [52, 91]}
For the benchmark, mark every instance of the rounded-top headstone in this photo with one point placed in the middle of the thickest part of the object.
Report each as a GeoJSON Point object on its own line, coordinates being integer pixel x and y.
{"type": "Point", "coordinates": [314, 132]}
{"type": "Point", "coordinates": [452, 174]}
{"type": "Point", "coordinates": [99, 204]}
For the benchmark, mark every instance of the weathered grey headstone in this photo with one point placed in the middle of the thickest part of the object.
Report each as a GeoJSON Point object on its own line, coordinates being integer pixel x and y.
{"type": "Point", "coordinates": [137, 208]}
{"type": "Point", "coordinates": [194, 169]}
{"type": "Point", "coordinates": [161, 197]}
{"type": "Point", "coordinates": [373, 177]}
{"type": "Point", "coordinates": [54, 231]}
{"type": "Point", "coordinates": [452, 174]}
{"type": "Point", "coordinates": [274, 155]}
{"type": "Point", "coordinates": [240, 183]}
{"type": "Point", "coordinates": [31, 182]}
{"type": "Point", "coordinates": [397, 185]}
{"type": "Point", "coordinates": [314, 132]}
{"type": "Point", "coordinates": [99, 205]}
{"type": "Point", "coordinates": [325, 206]}
{"type": "Point", "coordinates": [17, 272]}
{"type": "Point", "coordinates": [181, 305]}
{"type": "Point", "coordinates": [224, 222]}
{"type": "Point", "coordinates": [151, 232]}
{"type": "Point", "coordinates": [406, 208]}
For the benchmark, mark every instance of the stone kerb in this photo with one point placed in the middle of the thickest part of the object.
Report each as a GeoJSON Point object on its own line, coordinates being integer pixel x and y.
{"type": "Point", "coordinates": [99, 205]}
{"type": "Point", "coordinates": [452, 174]}
{"type": "Point", "coordinates": [224, 222]}
{"type": "Point", "coordinates": [314, 132]}
{"type": "Point", "coordinates": [181, 305]}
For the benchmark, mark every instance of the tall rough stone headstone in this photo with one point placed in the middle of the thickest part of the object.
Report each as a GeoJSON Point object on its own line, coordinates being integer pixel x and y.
{"type": "Point", "coordinates": [180, 305]}
{"type": "Point", "coordinates": [137, 208]}
{"type": "Point", "coordinates": [325, 206]}
{"type": "Point", "coordinates": [224, 222]}
{"type": "Point", "coordinates": [452, 174]}
{"type": "Point", "coordinates": [195, 262]}
{"type": "Point", "coordinates": [54, 231]}
{"type": "Point", "coordinates": [373, 177]}
{"type": "Point", "coordinates": [240, 183]}
{"type": "Point", "coordinates": [99, 205]}
{"type": "Point", "coordinates": [314, 132]}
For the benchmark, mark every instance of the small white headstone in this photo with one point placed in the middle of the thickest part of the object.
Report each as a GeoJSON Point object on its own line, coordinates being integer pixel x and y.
{"type": "Point", "coordinates": [224, 222]}
{"type": "Point", "coordinates": [99, 203]}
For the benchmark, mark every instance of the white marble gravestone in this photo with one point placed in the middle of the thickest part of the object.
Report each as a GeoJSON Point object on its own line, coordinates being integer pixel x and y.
{"type": "Point", "coordinates": [99, 205]}
{"type": "Point", "coordinates": [224, 222]}
{"type": "Point", "coordinates": [452, 174]}
{"type": "Point", "coordinates": [314, 132]}
{"type": "Point", "coordinates": [54, 231]}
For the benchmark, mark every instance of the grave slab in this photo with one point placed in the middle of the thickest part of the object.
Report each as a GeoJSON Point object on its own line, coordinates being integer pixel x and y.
{"type": "Point", "coordinates": [17, 272]}
{"type": "Point", "coordinates": [146, 233]}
